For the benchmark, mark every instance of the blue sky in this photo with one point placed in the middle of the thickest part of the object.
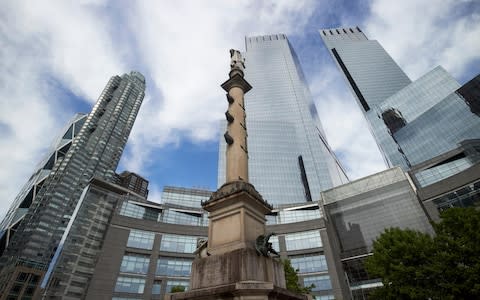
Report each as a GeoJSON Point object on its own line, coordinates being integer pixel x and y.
{"type": "Point", "coordinates": [56, 57]}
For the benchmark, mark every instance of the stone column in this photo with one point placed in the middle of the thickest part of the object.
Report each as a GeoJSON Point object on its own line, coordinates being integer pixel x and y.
{"type": "Point", "coordinates": [231, 266]}
{"type": "Point", "coordinates": [236, 135]}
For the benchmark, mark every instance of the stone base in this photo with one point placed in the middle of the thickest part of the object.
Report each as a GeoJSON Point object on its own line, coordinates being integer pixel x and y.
{"type": "Point", "coordinates": [245, 290]}
{"type": "Point", "coordinates": [240, 265]}
{"type": "Point", "coordinates": [237, 217]}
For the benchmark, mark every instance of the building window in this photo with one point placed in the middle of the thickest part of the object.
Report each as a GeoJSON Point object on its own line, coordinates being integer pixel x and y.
{"type": "Point", "coordinates": [309, 263]}
{"type": "Point", "coordinates": [169, 266]}
{"type": "Point", "coordinates": [135, 263]}
{"type": "Point", "coordinates": [325, 297]}
{"type": "Point", "coordinates": [303, 240]}
{"type": "Point", "coordinates": [172, 283]}
{"type": "Point", "coordinates": [321, 283]}
{"type": "Point", "coordinates": [156, 287]}
{"type": "Point", "coordinates": [178, 243]}
{"type": "Point", "coordinates": [139, 212]}
{"type": "Point", "coordinates": [293, 216]}
{"type": "Point", "coordinates": [183, 218]}
{"type": "Point", "coordinates": [450, 167]}
{"type": "Point", "coordinates": [130, 285]}
{"type": "Point", "coordinates": [141, 239]}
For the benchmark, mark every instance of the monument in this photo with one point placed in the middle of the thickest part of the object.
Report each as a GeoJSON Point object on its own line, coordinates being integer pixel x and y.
{"type": "Point", "coordinates": [235, 263]}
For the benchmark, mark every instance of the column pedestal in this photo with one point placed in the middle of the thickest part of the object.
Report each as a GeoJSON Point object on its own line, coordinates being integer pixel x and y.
{"type": "Point", "coordinates": [233, 269]}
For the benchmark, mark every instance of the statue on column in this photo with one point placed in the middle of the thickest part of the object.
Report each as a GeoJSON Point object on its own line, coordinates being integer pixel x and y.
{"type": "Point", "coordinates": [237, 61]}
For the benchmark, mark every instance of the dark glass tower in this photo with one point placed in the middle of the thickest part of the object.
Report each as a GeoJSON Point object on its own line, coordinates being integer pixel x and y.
{"type": "Point", "coordinates": [94, 152]}
{"type": "Point", "coordinates": [290, 160]}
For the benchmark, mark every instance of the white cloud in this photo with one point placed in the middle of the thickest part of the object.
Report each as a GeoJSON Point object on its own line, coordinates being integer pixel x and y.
{"type": "Point", "coordinates": [420, 35]}
{"type": "Point", "coordinates": [40, 42]}
{"type": "Point", "coordinates": [182, 48]}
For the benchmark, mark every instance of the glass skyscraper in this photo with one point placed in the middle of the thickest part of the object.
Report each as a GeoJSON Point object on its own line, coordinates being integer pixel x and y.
{"type": "Point", "coordinates": [412, 122]}
{"type": "Point", "coordinates": [290, 160]}
{"type": "Point", "coordinates": [373, 76]}
{"type": "Point", "coordinates": [94, 152]}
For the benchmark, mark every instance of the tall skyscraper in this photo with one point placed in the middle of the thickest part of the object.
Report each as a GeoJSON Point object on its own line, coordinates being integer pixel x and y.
{"type": "Point", "coordinates": [290, 160]}
{"type": "Point", "coordinates": [412, 122]}
{"type": "Point", "coordinates": [95, 152]}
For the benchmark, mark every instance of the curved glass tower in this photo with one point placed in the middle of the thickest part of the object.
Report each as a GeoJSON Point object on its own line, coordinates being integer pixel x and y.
{"type": "Point", "coordinates": [290, 160]}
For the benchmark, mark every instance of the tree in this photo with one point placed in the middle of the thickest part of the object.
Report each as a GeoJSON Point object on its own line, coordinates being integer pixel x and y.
{"type": "Point", "coordinates": [457, 262]}
{"type": "Point", "coordinates": [291, 278]}
{"type": "Point", "coordinates": [400, 258]}
{"type": "Point", "coordinates": [177, 289]}
{"type": "Point", "coordinates": [414, 265]}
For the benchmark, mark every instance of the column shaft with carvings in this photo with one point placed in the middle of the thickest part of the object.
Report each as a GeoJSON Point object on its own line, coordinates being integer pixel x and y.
{"type": "Point", "coordinates": [230, 266]}
{"type": "Point", "coordinates": [236, 135]}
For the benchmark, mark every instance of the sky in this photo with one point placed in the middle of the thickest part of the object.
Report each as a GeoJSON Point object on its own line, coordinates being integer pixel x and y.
{"type": "Point", "coordinates": [56, 57]}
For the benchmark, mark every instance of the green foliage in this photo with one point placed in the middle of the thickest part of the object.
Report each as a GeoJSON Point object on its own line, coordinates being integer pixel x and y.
{"type": "Point", "coordinates": [414, 265]}
{"type": "Point", "coordinates": [291, 278]}
{"type": "Point", "coordinates": [177, 289]}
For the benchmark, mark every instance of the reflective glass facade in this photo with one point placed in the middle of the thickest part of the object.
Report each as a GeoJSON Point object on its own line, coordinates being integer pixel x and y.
{"type": "Point", "coordinates": [130, 285]}
{"type": "Point", "coordinates": [372, 76]}
{"type": "Point", "coordinates": [309, 263]}
{"type": "Point", "coordinates": [303, 240]}
{"type": "Point", "coordinates": [465, 196]}
{"type": "Point", "coordinates": [135, 263]}
{"type": "Point", "coordinates": [141, 239]}
{"type": "Point", "coordinates": [439, 129]}
{"type": "Point", "coordinates": [290, 160]}
{"type": "Point", "coordinates": [412, 122]}
{"type": "Point", "coordinates": [360, 211]}
{"type": "Point", "coordinates": [140, 212]}
{"type": "Point", "coordinates": [178, 243]}
{"type": "Point", "coordinates": [321, 283]}
{"type": "Point", "coordinates": [184, 197]}
{"type": "Point", "coordinates": [174, 266]}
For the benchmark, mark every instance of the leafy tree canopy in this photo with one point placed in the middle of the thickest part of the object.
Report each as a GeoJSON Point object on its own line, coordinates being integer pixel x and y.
{"type": "Point", "coordinates": [415, 265]}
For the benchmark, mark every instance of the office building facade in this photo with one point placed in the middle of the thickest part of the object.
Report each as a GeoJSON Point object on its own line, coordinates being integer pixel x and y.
{"type": "Point", "coordinates": [122, 246]}
{"type": "Point", "coordinates": [450, 179]}
{"type": "Point", "coordinates": [411, 121]}
{"type": "Point", "coordinates": [358, 212]}
{"type": "Point", "coordinates": [94, 152]}
{"type": "Point", "coordinates": [290, 160]}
